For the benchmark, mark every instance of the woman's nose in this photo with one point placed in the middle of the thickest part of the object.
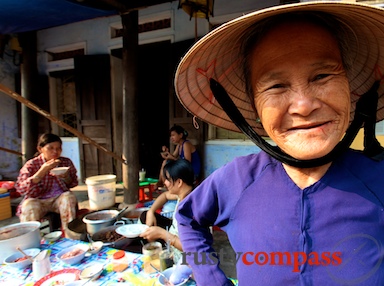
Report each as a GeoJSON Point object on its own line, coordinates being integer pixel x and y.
{"type": "Point", "coordinates": [303, 101]}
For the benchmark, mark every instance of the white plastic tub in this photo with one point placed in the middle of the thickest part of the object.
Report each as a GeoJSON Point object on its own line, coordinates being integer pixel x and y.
{"type": "Point", "coordinates": [101, 191]}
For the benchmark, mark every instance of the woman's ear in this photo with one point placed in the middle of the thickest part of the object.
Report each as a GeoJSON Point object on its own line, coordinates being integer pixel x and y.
{"type": "Point", "coordinates": [39, 149]}
{"type": "Point", "coordinates": [179, 183]}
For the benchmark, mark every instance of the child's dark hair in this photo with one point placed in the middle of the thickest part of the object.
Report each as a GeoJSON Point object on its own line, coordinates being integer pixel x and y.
{"type": "Point", "coordinates": [179, 169]}
{"type": "Point", "coordinates": [179, 130]}
{"type": "Point", "coordinates": [47, 138]}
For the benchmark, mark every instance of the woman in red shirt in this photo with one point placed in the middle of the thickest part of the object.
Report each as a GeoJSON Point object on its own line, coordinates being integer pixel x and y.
{"type": "Point", "coordinates": [44, 191]}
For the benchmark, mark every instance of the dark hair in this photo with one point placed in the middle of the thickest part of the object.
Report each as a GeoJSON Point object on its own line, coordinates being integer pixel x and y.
{"type": "Point", "coordinates": [47, 138]}
{"type": "Point", "coordinates": [179, 130]}
{"type": "Point", "coordinates": [179, 169]}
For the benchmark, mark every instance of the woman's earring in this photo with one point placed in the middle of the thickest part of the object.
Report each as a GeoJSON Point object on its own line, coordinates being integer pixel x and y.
{"type": "Point", "coordinates": [258, 120]}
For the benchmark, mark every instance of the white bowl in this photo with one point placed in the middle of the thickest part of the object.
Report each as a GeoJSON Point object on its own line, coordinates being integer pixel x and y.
{"type": "Point", "coordinates": [53, 236]}
{"type": "Point", "coordinates": [167, 273]}
{"type": "Point", "coordinates": [59, 170]}
{"type": "Point", "coordinates": [73, 259]}
{"type": "Point", "coordinates": [10, 260]}
{"type": "Point", "coordinates": [131, 230]}
{"type": "Point", "coordinates": [92, 272]}
{"type": "Point", "coordinates": [95, 246]}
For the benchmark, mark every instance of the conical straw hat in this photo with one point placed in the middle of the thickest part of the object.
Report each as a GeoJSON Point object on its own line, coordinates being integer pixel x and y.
{"type": "Point", "coordinates": [218, 55]}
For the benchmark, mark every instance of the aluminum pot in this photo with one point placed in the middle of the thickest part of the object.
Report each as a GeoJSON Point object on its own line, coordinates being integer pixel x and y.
{"type": "Point", "coordinates": [133, 216]}
{"type": "Point", "coordinates": [99, 220]}
{"type": "Point", "coordinates": [24, 235]}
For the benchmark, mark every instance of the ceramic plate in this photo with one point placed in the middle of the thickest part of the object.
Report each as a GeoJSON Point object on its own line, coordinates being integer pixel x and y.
{"type": "Point", "coordinates": [131, 230]}
{"type": "Point", "coordinates": [62, 276]}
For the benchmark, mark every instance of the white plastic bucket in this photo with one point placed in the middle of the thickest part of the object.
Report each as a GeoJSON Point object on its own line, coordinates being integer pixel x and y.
{"type": "Point", "coordinates": [101, 191]}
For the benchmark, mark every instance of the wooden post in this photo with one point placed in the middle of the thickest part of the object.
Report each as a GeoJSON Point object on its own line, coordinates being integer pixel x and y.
{"type": "Point", "coordinates": [29, 119]}
{"type": "Point", "coordinates": [130, 130]}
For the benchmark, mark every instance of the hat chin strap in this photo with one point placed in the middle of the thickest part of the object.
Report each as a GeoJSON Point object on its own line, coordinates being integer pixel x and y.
{"type": "Point", "coordinates": [365, 114]}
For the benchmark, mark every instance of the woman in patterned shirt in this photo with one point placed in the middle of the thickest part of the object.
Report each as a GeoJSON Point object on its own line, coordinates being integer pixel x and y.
{"type": "Point", "coordinates": [44, 191]}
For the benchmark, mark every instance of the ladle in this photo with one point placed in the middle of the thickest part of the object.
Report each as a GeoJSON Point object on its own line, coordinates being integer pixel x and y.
{"type": "Point", "coordinates": [119, 213]}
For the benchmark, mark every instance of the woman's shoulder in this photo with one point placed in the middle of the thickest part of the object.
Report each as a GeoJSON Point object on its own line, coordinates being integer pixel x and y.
{"type": "Point", "coordinates": [249, 166]}
{"type": "Point", "coordinates": [255, 159]}
{"type": "Point", "coordinates": [357, 159]}
{"type": "Point", "coordinates": [188, 143]}
{"type": "Point", "coordinates": [37, 160]}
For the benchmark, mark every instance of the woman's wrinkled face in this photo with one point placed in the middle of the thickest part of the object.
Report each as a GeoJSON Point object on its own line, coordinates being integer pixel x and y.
{"type": "Point", "coordinates": [301, 91]}
{"type": "Point", "coordinates": [51, 150]}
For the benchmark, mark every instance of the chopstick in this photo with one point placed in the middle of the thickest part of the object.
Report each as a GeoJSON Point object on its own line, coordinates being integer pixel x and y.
{"type": "Point", "coordinates": [29, 273]}
{"type": "Point", "coordinates": [26, 255]}
{"type": "Point", "coordinates": [158, 271]}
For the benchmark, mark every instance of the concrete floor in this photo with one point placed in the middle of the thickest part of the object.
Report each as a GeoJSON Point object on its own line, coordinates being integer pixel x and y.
{"type": "Point", "coordinates": [220, 244]}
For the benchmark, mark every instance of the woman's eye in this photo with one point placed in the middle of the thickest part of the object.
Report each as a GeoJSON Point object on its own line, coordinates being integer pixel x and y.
{"type": "Point", "coordinates": [321, 76]}
{"type": "Point", "coordinates": [278, 85]}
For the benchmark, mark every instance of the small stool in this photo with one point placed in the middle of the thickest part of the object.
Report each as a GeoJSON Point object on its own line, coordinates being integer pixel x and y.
{"type": "Point", "coordinates": [145, 194]}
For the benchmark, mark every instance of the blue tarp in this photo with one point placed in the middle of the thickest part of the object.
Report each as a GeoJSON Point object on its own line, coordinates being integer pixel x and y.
{"type": "Point", "coordinates": [29, 15]}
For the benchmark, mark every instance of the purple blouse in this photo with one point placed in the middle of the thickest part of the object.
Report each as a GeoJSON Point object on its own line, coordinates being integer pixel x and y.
{"type": "Point", "coordinates": [331, 233]}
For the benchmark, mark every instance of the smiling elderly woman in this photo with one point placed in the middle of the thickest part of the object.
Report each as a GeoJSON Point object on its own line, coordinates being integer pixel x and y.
{"type": "Point", "coordinates": [308, 211]}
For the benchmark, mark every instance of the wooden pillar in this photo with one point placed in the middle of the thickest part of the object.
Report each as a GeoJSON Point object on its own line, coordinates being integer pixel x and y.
{"type": "Point", "coordinates": [29, 118]}
{"type": "Point", "coordinates": [130, 106]}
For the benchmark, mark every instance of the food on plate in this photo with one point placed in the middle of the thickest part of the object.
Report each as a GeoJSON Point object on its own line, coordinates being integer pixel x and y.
{"type": "Point", "coordinates": [57, 283]}
{"type": "Point", "coordinates": [72, 253]}
{"type": "Point", "coordinates": [110, 236]}
{"type": "Point", "coordinates": [21, 259]}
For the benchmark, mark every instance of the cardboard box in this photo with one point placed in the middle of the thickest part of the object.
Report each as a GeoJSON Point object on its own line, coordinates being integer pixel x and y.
{"type": "Point", "coordinates": [5, 206]}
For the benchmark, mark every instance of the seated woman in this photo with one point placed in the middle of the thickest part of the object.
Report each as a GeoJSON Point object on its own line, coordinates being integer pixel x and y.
{"type": "Point", "coordinates": [44, 191]}
{"type": "Point", "coordinates": [179, 178]}
{"type": "Point", "coordinates": [184, 150]}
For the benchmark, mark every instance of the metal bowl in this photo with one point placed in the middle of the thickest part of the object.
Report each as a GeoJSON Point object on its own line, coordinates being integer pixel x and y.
{"type": "Point", "coordinates": [24, 235]}
{"type": "Point", "coordinates": [99, 220]}
{"type": "Point", "coordinates": [133, 216]}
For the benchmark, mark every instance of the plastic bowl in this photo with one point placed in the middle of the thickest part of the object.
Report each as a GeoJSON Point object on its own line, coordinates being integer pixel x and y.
{"type": "Point", "coordinates": [92, 272]}
{"type": "Point", "coordinates": [10, 260]}
{"type": "Point", "coordinates": [7, 184]}
{"type": "Point", "coordinates": [59, 170]}
{"type": "Point", "coordinates": [95, 247]}
{"type": "Point", "coordinates": [76, 258]}
{"type": "Point", "coordinates": [167, 273]}
{"type": "Point", "coordinates": [53, 236]}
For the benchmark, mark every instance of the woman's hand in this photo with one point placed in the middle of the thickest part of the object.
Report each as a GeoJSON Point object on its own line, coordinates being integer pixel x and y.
{"type": "Point", "coordinates": [164, 149]}
{"type": "Point", "coordinates": [165, 155]}
{"type": "Point", "coordinates": [150, 218]}
{"type": "Point", "coordinates": [49, 165]}
{"type": "Point", "coordinates": [154, 233]}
